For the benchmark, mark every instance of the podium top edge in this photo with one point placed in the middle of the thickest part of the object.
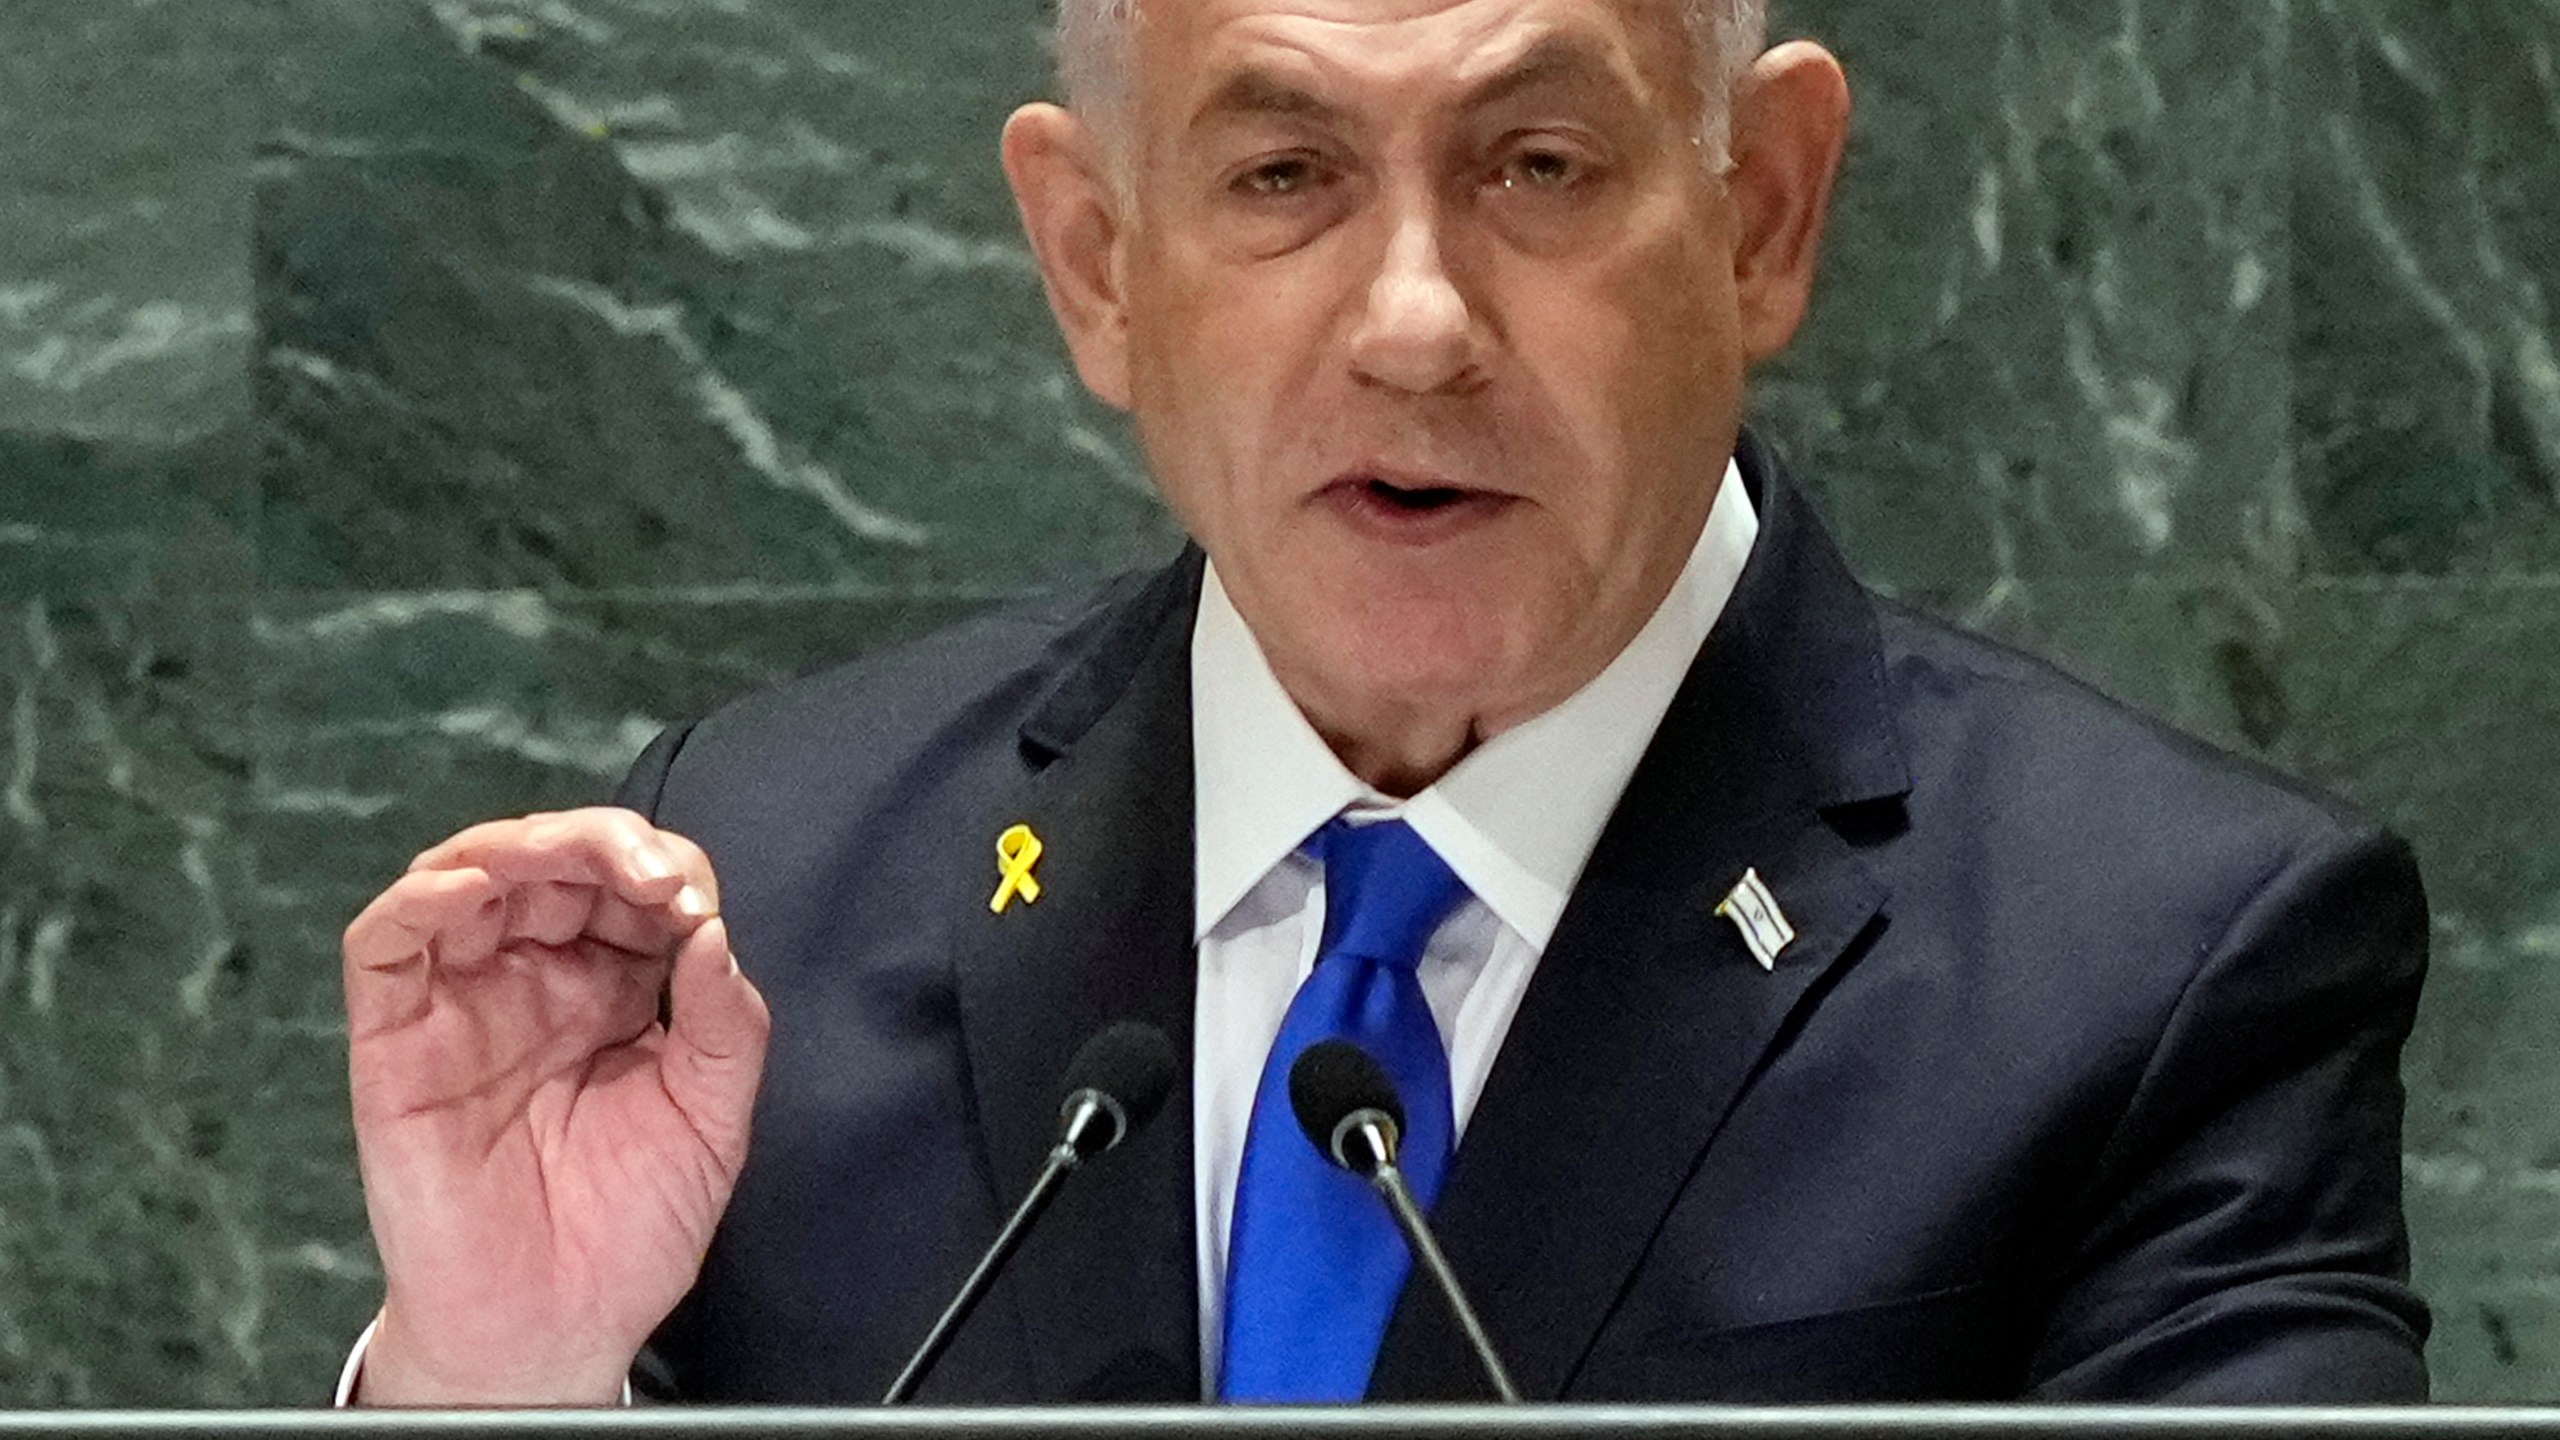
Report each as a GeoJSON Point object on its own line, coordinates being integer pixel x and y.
{"type": "Point", "coordinates": [1175, 1422]}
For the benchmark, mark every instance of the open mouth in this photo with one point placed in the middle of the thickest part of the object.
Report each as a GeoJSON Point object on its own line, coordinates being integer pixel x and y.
{"type": "Point", "coordinates": [1411, 509]}
{"type": "Point", "coordinates": [1417, 500]}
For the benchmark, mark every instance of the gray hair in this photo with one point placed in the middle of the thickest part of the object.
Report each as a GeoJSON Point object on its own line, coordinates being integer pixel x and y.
{"type": "Point", "coordinates": [1725, 36]}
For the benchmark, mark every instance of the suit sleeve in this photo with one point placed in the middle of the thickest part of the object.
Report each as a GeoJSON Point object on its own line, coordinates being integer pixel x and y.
{"type": "Point", "coordinates": [646, 780]}
{"type": "Point", "coordinates": [2242, 1238]}
{"type": "Point", "coordinates": [653, 1375]}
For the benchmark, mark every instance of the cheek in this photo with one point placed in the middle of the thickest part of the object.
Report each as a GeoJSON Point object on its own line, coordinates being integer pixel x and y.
{"type": "Point", "coordinates": [1224, 353]}
{"type": "Point", "coordinates": [1629, 374]}
{"type": "Point", "coordinates": [1199, 406]}
{"type": "Point", "coordinates": [1672, 356]}
{"type": "Point", "coordinates": [1173, 324]}
{"type": "Point", "coordinates": [1637, 375]}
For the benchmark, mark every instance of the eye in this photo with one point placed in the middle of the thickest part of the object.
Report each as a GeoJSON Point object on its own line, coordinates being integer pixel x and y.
{"type": "Point", "coordinates": [1553, 189]}
{"type": "Point", "coordinates": [1280, 177]}
{"type": "Point", "coordinates": [1271, 202]}
{"type": "Point", "coordinates": [1542, 168]}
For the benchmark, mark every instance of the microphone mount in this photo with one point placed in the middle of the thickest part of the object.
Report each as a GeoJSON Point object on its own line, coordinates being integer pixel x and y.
{"type": "Point", "coordinates": [1091, 1122]}
{"type": "Point", "coordinates": [1348, 1105]}
{"type": "Point", "coordinates": [1364, 1140]}
{"type": "Point", "coordinates": [1117, 1082]}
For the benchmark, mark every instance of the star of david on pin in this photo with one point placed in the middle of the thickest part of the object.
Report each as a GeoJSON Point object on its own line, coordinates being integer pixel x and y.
{"type": "Point", "coordinates": [1754, 912]}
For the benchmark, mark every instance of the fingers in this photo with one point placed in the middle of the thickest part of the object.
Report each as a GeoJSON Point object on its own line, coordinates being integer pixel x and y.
{"type": "Point", "coordinates": [453, 916]}
{"type": "Point", "coordinates": [638, 929]}
{"type": "Point", "coordinates": [592, 909]}
{"type": "Point", "coordinates": [539, 884]}
{"type": "Point", "coordinates": [555, 913]}
{"type": "Point", "coordinates": [604, 846]}
{"type": "Point", "coordinates": [716, 1037]}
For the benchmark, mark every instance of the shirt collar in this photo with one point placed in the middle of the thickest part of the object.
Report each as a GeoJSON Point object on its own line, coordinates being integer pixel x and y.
{"type": "Point", "coordinates": [1516, 819]}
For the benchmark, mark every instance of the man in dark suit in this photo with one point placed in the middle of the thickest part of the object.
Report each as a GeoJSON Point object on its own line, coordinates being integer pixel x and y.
{"type": "Point", "coordinates": [1838, 1008]}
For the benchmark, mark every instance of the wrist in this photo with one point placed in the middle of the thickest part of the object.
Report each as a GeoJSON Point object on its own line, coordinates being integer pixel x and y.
{"type": "Point", "coordinates": [401, 1364]}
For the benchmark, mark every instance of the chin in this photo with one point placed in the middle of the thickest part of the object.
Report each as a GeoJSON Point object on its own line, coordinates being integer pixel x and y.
{"type": "Point", "coordinates": [1451, 660]}
{"type": "Point", "coordinates": [1396, 638]}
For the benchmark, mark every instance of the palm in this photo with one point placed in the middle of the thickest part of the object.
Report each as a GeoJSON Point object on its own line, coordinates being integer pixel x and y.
{"type": "Point", "coordinates": [544, 1161]}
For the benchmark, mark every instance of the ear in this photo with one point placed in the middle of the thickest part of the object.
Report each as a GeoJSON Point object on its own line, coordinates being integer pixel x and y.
{"type": "Point", "coordinates": [1071, 212]}
{"type": "Point", "coordinates": [1790, 125]}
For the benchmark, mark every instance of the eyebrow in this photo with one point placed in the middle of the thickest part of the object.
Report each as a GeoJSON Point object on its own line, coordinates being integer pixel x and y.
{"type": "Point", "coordinates": [1552, 60]}
{"type": "Point", "coordinates": [1255, 91]}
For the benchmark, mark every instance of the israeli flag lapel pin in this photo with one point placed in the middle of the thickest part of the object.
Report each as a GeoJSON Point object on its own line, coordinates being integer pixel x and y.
{"type": "Point", "coordinates": [1754, 912]}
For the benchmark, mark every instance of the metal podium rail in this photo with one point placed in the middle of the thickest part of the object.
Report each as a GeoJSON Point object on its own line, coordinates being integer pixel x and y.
{"type": "Point", "coordinates": [1383, 1422]}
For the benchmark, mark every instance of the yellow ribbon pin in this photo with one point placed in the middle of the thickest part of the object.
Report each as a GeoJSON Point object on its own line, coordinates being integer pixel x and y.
{"type": "Point", "coordinates": [1017, 850]}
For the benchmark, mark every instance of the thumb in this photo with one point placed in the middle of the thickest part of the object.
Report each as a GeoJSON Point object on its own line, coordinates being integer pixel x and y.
{"type": "Point", "coordinates": [716, 1034]}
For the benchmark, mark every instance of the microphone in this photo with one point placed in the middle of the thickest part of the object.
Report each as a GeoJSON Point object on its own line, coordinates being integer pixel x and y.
{"type": "Point", "coordinates": [1349, 1108]}
{"type": "Point", "coordinates": [1116, 1084]}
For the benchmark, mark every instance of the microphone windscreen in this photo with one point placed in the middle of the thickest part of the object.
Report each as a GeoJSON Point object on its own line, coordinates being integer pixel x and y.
{"type": "Point", "coordinates": [1132, 1063]}
{"type": "Point", "coordinates": [1334, 1078]}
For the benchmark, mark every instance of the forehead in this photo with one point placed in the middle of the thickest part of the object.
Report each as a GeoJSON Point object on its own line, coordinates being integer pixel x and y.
{"type": "Point", "coordinates": [1413, 48]}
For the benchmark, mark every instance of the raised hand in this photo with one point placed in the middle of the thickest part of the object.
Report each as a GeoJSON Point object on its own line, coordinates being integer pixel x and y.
{"type": "Point", "coordinates": [544, 1160]}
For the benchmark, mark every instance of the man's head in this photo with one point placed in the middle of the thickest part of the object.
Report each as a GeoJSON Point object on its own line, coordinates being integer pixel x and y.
{"type": "Point", "coordinates": [1433, 317]}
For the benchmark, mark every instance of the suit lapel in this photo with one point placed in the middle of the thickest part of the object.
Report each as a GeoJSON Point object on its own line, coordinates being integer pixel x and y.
{"type": "Point", "coordinates": [1105, 1288]}
{"type": "Point", "coordinates": [1648, 1017]}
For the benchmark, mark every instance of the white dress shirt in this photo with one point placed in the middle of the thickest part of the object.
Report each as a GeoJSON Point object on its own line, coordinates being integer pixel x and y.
{"type": "Point", "coordinates": [1516, 820]}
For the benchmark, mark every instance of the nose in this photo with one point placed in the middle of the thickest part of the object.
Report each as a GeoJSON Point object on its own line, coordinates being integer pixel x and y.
{"type": "Point", "coordinates": [1415, 332]}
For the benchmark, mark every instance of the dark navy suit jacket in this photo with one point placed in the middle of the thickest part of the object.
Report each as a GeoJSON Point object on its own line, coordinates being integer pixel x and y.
{"type": "Point", "coordinates": [2079, 1082]}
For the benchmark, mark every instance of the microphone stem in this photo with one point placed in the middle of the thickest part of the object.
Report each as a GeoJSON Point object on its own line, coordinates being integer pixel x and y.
{"type": "Point", "coordinates": [1061, 1160]}
{"type": "Point", "coordinates": [1399, 1196]}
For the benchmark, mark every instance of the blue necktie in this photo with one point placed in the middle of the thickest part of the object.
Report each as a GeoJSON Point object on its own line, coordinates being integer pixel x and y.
{"type": "Point", "coordinates": [1314, 1261]}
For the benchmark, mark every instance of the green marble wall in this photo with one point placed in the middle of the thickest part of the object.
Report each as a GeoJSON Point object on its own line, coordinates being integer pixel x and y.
{"type": "Point", "coordinates": [408, 405]}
